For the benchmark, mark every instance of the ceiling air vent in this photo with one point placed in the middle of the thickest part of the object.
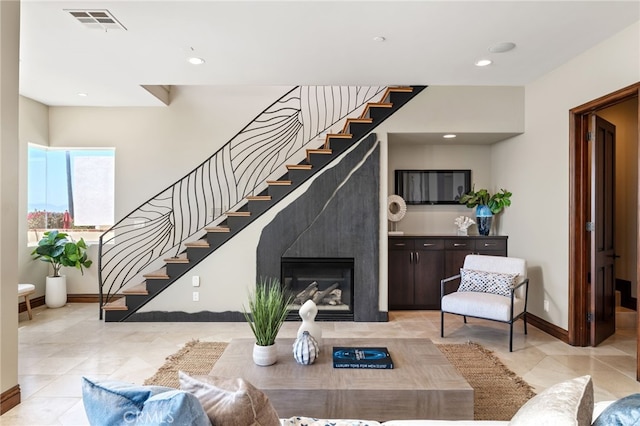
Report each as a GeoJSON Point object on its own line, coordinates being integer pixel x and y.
{"type": "Point", "coordinates": [97, 19]}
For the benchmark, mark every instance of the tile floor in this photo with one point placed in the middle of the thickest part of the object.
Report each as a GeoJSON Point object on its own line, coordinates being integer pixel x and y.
{"type": "Point", "coordinates": [59, 346]}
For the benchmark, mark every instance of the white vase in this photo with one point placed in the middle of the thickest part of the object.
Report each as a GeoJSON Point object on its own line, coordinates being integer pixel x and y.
{"type": "Point", "coordinates": [265, 355]}
{"type": "Point", "coordinates": [55, 295]}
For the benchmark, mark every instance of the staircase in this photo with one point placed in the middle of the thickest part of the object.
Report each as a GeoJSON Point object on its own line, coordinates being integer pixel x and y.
{"type": "Point", "coordinates": [119, 305]}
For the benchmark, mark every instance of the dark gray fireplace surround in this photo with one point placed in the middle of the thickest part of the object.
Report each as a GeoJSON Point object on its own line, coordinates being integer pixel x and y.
{"type": "Point", "coordinates": [337, 217]}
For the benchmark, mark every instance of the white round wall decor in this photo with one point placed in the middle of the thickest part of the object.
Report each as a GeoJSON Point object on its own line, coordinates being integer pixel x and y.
{"type": "Point", "coordinates": [396, 209]}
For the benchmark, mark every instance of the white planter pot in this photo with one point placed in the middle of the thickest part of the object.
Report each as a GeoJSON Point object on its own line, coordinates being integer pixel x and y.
{"type": "Point", "coordinates": [265, 355]}
{"type": "Point", "coordinates": [56, 292]}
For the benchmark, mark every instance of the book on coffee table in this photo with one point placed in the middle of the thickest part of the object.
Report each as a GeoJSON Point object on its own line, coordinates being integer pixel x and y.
{"type": "Point", "coordinates": [361, 357]}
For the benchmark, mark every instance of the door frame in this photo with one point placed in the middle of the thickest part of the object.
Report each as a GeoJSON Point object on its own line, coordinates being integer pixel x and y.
{"type": "Point", "coordinates": [579, 184]}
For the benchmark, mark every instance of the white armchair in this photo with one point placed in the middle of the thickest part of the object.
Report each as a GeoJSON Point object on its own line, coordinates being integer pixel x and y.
{"type": "Point", "coordinates": [489, 287]}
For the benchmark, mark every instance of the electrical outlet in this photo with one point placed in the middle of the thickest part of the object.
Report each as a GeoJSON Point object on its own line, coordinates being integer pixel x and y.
{"type": "Point", "coordinates": [546, 305]}
{"type": "Point", "coordinates": [196, 296]}
{"type": "Point", "coordinates": [195, 280]}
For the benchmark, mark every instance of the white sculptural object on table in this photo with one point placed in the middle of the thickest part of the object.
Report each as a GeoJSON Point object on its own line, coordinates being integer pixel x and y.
{"type": "Point", "coordinates": [308, 312]}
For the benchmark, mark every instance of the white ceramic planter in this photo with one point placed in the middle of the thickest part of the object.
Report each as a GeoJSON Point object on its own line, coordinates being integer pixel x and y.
{"type": "Point", "coordinates": [55, 295]}
{"type": "Point", "coordinates": [265, 355]}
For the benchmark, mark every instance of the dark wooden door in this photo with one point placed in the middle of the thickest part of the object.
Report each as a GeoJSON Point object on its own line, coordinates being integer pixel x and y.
{"type": "Point", "coordinates": [428, 271]}
{"type": "Point", "coordinates": [401, 258]}
{"type": "Point", "coordinates": [603, 277]}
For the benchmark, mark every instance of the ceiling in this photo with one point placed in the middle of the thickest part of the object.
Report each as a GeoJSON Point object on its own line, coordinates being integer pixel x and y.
{"type": "Point", "coordinates": [299, 42]}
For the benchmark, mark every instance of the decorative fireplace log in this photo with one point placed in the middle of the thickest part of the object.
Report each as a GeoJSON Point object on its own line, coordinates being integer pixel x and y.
{"type": "Point", "coordinates": [320, 295]}
{"type": "Point", "coordinates": [306, 294]}
{"type": "Point", "coordinates": [334, 298]}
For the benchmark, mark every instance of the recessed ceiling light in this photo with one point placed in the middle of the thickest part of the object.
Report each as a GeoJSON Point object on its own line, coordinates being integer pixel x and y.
{"type": "Point", "coordinates": [449, 136]}
{"type": "Point", "coordinates": [83, 95]}
{"type": "Point", "coordinates": [196, 61]}
{"type": "Point", "coordinates": [483, 62]}
{"type": "Point", "coordinates": [379, 38]}
{"type": "Point", "coordinates": [502, 47]}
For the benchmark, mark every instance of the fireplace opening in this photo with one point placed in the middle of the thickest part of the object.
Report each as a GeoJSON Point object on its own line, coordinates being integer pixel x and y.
{"type": "Point", "coordinates": [326, 281]}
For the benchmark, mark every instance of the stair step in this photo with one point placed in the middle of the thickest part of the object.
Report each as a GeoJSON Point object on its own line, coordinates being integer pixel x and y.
{"type": "Point", "coordinates": [399, 89]}
{"type": "Point", "coordinates": [217, 229]}
{"type": "Point", "coordinates": [355, 120]}
{"type": "Point", "coordinates": [238, 214]}
{"type": "Point", "coordinates": [279, 182]}
{"type": "Point", "coordinates": [259, 198]}
{"type": "Point", "coordinates": [160, 274]}
{"type": "Point", "coordinates": [365, 113]}
{"type": "Point", "coordinates": [198, 243]}
{"type": "Point", "coordinates": [327, 145]}
{"type": "Point", "coordinates": [299, 167]}
{"type": "Point", "coordinates": [140, 289]}
{"type": "Point", "coordinates": [178, 259]}
{"type": "Point", "coordinates": [321, 151]}
{"type": "Point", "coordinates": [116, 305]}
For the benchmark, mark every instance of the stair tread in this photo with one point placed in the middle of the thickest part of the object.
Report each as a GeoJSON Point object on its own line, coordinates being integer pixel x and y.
{"type": "Point", "coordinates": [178, 259]}
{"type": "Point", "coordinates": [238, 214]}
{"type": "Point", "coordinates": [160, 274]}
{"type": "Point", "coordinates": [299, 167]}
{"type": "Point", "coordinates": [321, 151]}
{"type": "Point", "coordinates": [355, 120]}
{"type": "Point", "coordinates": [140, 289]}
{"type": "Point", "coordinates": [340, 135]}
{"type": "Point", "coordinates": [116, 305]}
{"type": "Point", "coordinates": [375, 105]}
{"type": "Point", "coordinates": [197, 243]}
{"type": "Point", "coordinates": [217, 229]}
{"type": "Point", "coordinates": [279, 182]}
{"type": "Point", "coordinates": [259, 197]}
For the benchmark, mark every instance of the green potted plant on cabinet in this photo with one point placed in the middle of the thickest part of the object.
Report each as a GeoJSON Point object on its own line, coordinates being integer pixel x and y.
{"type": "Point", "coordinates": [487, 205]}
{"type": "Point", "coordinates": [268, 308]}
{"type": "Point", "coordinates": [59, 250]}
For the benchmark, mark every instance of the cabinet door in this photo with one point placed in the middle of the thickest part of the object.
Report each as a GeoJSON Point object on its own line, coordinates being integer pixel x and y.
{"type": "Point", "coordinates": [400, 274]}
{"type": "Point", "coordinates": [455, 252]}
{"type": "Point", "coordinates": [491, 246]}
{"type": "Point", "coordinates": [428, 271]}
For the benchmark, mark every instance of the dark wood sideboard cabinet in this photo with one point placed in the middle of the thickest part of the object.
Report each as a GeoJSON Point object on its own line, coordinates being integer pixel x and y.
{"type": "Point", "coordinates": [418, 263]}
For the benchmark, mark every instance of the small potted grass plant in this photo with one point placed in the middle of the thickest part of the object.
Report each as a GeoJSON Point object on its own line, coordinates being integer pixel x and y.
{"type": "Point", "coordinates": [268, 308]}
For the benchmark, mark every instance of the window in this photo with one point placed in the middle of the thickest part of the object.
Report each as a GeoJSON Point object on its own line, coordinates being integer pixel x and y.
{"type": "Point", "coordinates": [70, 189]}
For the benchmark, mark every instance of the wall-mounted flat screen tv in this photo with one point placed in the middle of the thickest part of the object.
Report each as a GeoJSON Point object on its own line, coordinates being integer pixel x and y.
{"type": "Point", "coordinates": [432, 186]}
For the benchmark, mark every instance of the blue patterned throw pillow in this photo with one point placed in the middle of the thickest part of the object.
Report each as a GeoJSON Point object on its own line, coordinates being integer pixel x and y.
{"type": "Point", "coordinates": [623, 412]}
{"type": "Point", "coordinates": [112, 403]}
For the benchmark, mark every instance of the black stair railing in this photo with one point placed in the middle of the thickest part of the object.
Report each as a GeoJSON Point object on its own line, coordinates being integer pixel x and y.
{"type": "Point", "coordinates": [279, 135]}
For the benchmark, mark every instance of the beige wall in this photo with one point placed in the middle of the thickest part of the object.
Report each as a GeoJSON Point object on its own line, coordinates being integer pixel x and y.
{"type": "Point", "coordinates": [536, 164]}
{"type": "Point", "coordinates": [9, 59]}
{"type": "Point", "coordinates": [34, 128]}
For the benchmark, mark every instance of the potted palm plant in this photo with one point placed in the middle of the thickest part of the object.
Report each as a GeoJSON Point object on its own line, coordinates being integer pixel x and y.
{"type": "Point", "coordinates": [268, 307]}
{"type": "Point", "coordinates": [486, 205]}
{"type": "Point", "coordinates": [59, 250]}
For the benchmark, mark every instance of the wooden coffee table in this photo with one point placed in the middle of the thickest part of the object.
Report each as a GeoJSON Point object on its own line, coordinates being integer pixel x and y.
{"type": "Point", "coordinates": [422, 385]}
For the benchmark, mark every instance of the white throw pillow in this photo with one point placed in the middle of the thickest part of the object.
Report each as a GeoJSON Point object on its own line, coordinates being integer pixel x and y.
{"type": "Point", "coordinates": [310, 421]}
{"type": "Point", "coordinates": [230, 402]}
{"type": "Point", "coordinates": [567, 403]}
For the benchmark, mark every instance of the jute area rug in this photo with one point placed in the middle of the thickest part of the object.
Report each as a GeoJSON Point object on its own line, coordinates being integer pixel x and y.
{"type": "Point", "coordinates": [498, 391]}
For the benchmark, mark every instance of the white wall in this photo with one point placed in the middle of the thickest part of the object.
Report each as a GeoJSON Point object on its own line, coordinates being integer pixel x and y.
{"type": "Point", "coordinates": [536, 164]}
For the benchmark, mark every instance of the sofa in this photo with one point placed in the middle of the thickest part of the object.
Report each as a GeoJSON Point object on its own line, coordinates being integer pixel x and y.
{"type": "Point", "coordinates": [209, 400]}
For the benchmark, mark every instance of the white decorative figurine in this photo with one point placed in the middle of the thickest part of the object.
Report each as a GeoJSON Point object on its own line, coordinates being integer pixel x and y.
{"type": "Point", "coordinates": [308, 312]}
{"type": "Point", "coordinates": [463, 222]}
